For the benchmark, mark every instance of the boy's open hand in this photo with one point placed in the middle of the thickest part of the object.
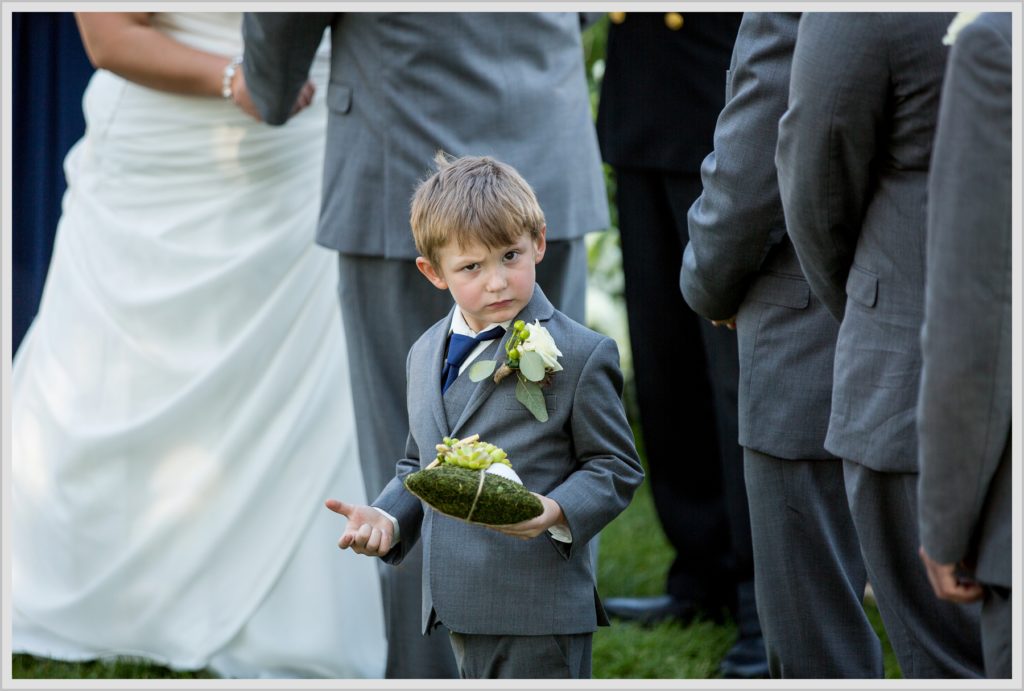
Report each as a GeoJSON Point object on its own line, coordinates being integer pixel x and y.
{"type": "Point", "coordinates": [533, 527]}
{"type": "Point", "coordinates": [368, 531]}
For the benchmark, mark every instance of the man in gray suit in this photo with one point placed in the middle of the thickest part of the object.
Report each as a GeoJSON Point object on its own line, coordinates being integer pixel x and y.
{"type": "Point", "coordinates": [965, 407]}
{"type": "Point", "coordinates": [852, 159]}
{"type": "Point", "coordinates": [402, 86]}
{"type": "Point", "coordinates": [740, 269]}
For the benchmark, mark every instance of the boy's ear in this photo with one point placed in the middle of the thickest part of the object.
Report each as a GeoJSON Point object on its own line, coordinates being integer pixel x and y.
{"type": "Point", "coordinates": [540, 244]}
{"type": "Point", "coordinates": [427, 269]}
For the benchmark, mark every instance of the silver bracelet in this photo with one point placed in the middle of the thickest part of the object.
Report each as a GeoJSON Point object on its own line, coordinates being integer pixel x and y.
{"type": "Point", "coordinates": [228, 76]}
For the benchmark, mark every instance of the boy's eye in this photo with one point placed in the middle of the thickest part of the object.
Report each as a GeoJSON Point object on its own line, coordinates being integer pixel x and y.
{"type": "Point", "coordinates": [512, 254]}
{"type": "Point", "coordinates": [471, 267]}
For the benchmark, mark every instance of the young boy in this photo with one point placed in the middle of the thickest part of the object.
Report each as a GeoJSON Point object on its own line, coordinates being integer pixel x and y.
{"type": "Point", "coordinates": [520, 600]}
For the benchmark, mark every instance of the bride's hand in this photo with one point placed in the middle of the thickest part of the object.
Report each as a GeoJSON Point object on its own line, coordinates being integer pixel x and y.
{"type": "Point", "coordinates": [240, 95]}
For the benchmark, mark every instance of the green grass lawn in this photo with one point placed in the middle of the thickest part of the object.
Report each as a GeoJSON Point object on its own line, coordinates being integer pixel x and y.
{"type": "Point", "coordinates": [634, 560]}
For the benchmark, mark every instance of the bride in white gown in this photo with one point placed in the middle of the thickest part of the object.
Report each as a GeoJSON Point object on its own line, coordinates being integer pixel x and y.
{"type": "Point", "coordinates": [181, 404]}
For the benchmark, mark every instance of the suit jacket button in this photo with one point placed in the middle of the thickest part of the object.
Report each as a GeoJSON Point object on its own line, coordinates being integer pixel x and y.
{"type": "Point", "coordinates": [674, 20]}
{"type": "Point", "coordinates": [617, 17]}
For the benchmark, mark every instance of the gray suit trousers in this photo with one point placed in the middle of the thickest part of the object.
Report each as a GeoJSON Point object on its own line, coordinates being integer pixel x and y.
{"type": "Point", "coordinates": [808, 572]}
{"type": "Point", "coordinates": [523, 657]}
{"type": "Point", "coordinates": [997, 632]}
{"type": "Point", "coordinates": [386, 304]}
{"type": "Point", "coordinates": [931, 638]}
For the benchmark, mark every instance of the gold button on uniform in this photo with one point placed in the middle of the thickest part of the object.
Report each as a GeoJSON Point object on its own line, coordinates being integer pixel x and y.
{"type": "Point", "coordinates": [674, 20]}
{"type": "Point", "coordinates": [617, 17]}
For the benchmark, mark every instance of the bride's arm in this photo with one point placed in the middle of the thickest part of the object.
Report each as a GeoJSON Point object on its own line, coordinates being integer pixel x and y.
{"type": "Point", "coordinates": [124, 43]}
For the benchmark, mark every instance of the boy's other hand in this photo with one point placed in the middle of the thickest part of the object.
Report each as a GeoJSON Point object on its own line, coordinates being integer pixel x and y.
{"type": "Point", "coordinates": [526, 530]}
{"type": "Point", "coordinates": [368, 531]}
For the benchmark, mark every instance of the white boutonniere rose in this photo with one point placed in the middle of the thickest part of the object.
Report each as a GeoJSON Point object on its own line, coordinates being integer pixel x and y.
{"type": "Point", "coordinates": [533, 356]}
{"type": "Point", "coordinates": [539, 341]}
{"type": "Point", "coordinates": [961, 20]}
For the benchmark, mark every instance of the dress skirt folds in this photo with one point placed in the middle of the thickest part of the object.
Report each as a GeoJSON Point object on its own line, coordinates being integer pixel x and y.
{"type": "Point", "coordinates": [181, 404]}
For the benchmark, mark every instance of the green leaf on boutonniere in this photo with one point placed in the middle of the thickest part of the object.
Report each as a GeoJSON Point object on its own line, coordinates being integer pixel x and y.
{"type": "Point", "coordinates": [480, 370]}
{"type": "Point", "coordinates": [532, 366]}
{"type": "Point", "coordinates": [529, 394]}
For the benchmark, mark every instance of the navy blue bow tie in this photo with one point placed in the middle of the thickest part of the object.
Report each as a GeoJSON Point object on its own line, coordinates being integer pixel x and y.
{"type": "Point", "coordinates": [459, 348]}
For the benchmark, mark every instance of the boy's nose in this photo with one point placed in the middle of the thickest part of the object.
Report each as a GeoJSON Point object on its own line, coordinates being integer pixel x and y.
{"type": "Point", "coordinates": [496, 280]}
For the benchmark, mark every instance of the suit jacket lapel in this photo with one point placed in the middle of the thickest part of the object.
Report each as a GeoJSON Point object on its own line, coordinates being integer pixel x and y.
{"type": "Point", "coordinates": [540, 308]}
{"type": "Point", "coordinates": [434, 384]}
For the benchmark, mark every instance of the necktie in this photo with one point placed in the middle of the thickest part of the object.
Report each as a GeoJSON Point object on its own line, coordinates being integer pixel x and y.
{"type": "Point", "coordinates": [459, 348]}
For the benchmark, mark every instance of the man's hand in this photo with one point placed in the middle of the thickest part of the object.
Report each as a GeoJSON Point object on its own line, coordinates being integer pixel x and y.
{"type": "Point", "coordinates": [946, 584]}
{"type": "Point", "coordinates": [526, 530]}
{"type": "Point", "coordinates": [240, 95]}
{"type": "Point", "coordinates": [368, 531]}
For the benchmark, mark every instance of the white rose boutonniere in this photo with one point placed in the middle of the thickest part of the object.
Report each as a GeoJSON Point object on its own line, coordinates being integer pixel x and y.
{"type": "Point", "coordinates": [961, 20]}
{"type": "Point", "coordinates": [533, 356]}
{"type": "Point", "coordinates": [539, 341]}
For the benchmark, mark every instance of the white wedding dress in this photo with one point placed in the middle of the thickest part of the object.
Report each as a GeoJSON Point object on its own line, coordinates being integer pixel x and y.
{"type": "Point", "coordinates": [181, 404]}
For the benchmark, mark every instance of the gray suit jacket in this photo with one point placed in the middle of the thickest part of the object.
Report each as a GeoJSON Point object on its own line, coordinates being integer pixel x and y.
{"type": "Point", "coordinates": [484, 582]}
{"type": "Point", "coordinates": [740, 262]}
{"type": "Point", "coordinates": [852, 157]}
{"type": "Point", "coordinates": [404, 85]}
{"type": "Point", "coordinates": [964, 414]}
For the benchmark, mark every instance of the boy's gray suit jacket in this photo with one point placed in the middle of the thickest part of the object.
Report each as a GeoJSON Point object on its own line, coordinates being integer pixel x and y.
{"type": "Point", "coordinates": [965, 410]}
{"type": "Point", "coordinates": [853, 153]}
{"type": "Point", "coordinates": [481, 581]}
{"type": "Point", "coordinates": [405, 84]}
{"type": "Point", "coordinates": [739, 260]}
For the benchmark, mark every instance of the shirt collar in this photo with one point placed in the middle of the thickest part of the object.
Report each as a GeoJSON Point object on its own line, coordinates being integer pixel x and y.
{"type": "Point", "coordinates": [460, 326]}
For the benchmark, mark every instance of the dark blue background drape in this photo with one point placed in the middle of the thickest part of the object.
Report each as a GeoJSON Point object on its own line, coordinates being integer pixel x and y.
{"type": "Point", "coordinates": [49, 73]}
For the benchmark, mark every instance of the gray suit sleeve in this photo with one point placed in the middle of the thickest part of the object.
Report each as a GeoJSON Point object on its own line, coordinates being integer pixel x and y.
{"type": "Point", "coordinates": [732, 222]}
{"type": "Point", "coordinates": [279, 49]}
{"type": "Point", "coordinates": [828, 141]}
{"type": "Point", "coordinates": [402, 504]}
{"type": "Point", "coordinates": [965, 396]}
{"type": "Point", "coordinates": [610, 470]}
{"type": "Point", "coordinates": [406, 507]}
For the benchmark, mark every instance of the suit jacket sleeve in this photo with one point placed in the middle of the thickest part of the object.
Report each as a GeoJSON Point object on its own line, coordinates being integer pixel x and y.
{"type": "Point", "coordinates": [731, 224]}
{"type": "Point", "coordinates": [400, 502]}
{"type": "Point", "coordinates": [279, 49]}
{"type": "Point", "coordinates": [828, 139]}
{"type": "Point", "coordinates": [403, 505]}
{"type": "Point", "coordinates": [610, 470]}
{"type": "Point", "coordinates": [965, 397]}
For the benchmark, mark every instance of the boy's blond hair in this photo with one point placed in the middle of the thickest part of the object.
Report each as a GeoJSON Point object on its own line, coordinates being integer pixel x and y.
{"type": "Point", "coordinates": [472, 199]}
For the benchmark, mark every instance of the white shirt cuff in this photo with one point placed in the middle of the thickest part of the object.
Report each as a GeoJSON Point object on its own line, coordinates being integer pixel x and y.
{"type": "Point", "coordinates": [394, 522]}
{"type": "Point", "coordinates": [560, 533]}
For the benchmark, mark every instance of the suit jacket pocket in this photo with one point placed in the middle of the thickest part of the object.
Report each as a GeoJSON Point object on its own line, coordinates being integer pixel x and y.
{"type": "Point", "coordinates": [550, 400]}
{"type": "Point", "coordinates": [862, 286]}
{"type": "Point", "coordinates": [339, 98]}
{"type": "Point", "coordinates": [785, 291]}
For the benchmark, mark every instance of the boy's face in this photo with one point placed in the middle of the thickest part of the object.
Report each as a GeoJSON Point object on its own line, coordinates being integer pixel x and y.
{"type": "Point", "coordinates": [489, 285]}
